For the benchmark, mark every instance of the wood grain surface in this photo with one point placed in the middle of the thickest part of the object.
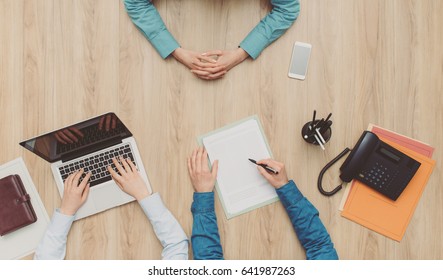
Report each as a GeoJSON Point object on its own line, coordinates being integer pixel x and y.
{"type": "Point", "coordinates": [381, 62]}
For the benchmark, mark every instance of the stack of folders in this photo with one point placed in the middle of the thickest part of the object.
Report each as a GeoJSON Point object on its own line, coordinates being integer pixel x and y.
{"type": "Point", "coordinates": [371, 209]}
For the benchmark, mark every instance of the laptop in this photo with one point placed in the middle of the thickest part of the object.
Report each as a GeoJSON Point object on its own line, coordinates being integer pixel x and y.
{"type": "Point", "coordinates": [91, 145]}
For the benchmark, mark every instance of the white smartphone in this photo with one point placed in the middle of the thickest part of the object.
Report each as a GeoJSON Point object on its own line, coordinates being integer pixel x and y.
{"type": "Point", "coordinates": [299, 61]}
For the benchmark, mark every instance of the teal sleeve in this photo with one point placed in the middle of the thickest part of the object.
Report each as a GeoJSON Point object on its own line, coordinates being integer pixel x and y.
{"type": "Point", "coordinates": [270, 28]}
{"type": "Point", "coordinates": [310, 230]}
{"type": "Point", "coordinates": [205, 237]}
{"type": "Point", "coordinates": [147, 19]}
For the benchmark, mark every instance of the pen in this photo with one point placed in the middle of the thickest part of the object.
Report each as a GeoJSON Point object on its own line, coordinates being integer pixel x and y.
{"type": "Point", "coordinates": [317, 130]}
{"type": "Point", "coordinates": [327, 119]}
{"type": "Point", "coordinates": [319, 142]}
{"type": "Point", "coordinates": [267, 168]}
{"type": "Point", "coordinates": [313, 119]}
{"type": "Point", "coordinates": [325, 127]}
{"type": "Point", "coordinates": [319, 123]}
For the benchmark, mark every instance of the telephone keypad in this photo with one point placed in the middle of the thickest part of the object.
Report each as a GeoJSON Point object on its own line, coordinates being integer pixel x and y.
{"type": "Point", "coordinates": [379, 166]}
{"type": "Point", "coordinates": [379, 176]}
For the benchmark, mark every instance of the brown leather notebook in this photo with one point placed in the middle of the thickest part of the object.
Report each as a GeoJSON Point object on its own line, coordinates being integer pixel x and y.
{"type": "Point", "coordinates": [15, 205]}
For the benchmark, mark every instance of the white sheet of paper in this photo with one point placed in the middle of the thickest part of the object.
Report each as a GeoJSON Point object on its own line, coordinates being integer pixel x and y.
{"type": "Point", "coordinates": [23, 242]}
{"type": "Point", "coordinates": [239, 181]}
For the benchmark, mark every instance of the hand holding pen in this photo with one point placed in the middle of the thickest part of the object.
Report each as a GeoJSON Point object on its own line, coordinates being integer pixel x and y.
{"type": "Point", "coordinates": [267, 168]}
{"type": "Point", "coordinates": [278, 179]}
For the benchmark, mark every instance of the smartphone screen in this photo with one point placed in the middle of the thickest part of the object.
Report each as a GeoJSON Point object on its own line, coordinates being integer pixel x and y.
{"type": "Point", "coordinates": [299, 61]}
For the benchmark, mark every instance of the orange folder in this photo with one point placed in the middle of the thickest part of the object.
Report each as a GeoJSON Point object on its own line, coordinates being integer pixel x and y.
{"type": "Point", "coordinates": [407, 142]}
{"type": "Point", "coordinates": [378, 213]}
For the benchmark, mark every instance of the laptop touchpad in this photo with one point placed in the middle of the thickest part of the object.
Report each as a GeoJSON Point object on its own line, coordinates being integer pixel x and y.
{"type": "Point", "coordinates": [107, 196]}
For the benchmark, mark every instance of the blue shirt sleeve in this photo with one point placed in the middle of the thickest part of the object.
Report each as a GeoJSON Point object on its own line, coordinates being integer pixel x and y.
{"type": "Point", "coordinates": [205, 238]}
{"type": "Point", "coordinates": [271, 27]}
{"type": "Point", "coordinates": [147, 19]}
{"type": "Point", "coordinates": [304, 218]}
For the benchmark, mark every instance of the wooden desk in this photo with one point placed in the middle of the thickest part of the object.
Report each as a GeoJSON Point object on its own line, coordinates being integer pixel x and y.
{"type": "Point", "coordinates": [372, 61]}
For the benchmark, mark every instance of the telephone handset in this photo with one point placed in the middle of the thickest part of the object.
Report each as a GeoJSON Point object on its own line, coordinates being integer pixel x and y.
{"type": "Point", "coordinates": [358, 156]}
{"type": "Point", "coordinates": [376, 164]}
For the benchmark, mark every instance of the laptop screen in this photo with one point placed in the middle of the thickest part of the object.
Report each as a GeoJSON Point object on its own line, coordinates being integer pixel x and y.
{"type": "Point", "coordinates": [79, 139]}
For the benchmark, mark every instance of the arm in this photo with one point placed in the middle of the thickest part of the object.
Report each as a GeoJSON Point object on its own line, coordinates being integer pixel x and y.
{"type": "Point", "coordinates": [147, 19]}
{"type": "Point", "coordinates": [304, 218]}
{"type": "Point", "coordinates": [205, 237]}
{"type": "Point", "coordinates": [166, 227]}
{"type": "Point", "coordinates": [53, 244]}
{"type": "Point", "coordinates": [283, 14]}
{"type": "Point", "coordinates": [270, 28]}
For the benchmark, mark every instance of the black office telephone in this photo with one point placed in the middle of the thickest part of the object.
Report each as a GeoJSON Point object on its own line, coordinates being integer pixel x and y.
{"type": "Point", "coordinates": [376, 164]}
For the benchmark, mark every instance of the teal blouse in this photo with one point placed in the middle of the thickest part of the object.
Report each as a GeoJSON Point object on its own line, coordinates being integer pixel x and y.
{"type": "Point", "coordinates": [146, 17]}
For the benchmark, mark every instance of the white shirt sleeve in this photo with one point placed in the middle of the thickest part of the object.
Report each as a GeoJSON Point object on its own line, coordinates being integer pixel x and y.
{"type": "Point", "coordinates": [53, 244]}
{"type": "Point", "coordinates": [166, 227]}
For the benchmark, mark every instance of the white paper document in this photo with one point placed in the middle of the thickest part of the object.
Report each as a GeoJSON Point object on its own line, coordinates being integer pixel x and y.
{"type": "Point", "coordinates": [240, 185]}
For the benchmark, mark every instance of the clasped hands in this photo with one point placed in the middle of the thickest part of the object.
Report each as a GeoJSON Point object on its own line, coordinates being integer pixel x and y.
{"type": "Point", "coordinates": [210, 65]}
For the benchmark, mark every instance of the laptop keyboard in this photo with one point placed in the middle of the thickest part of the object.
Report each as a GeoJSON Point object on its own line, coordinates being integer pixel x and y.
{"type": "Point", "coordinates": [97, 165]}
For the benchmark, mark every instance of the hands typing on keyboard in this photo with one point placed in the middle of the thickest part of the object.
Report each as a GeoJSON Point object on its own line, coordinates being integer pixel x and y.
{"type": "Point", "coordinates": [128, 178]}
{"type": "Point", "coordinates": [97, 164]}
{"type": "Point", "coordinates": [123, 170]}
